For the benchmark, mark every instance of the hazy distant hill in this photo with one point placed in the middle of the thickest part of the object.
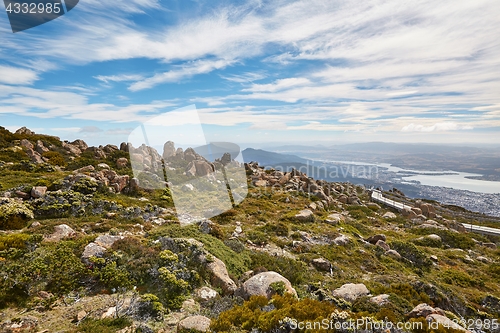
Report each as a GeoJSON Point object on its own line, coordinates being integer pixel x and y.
{"type": "Point", "coordinates": [268, 158]}
{"type": "Point", "coordinates": [481, 160]}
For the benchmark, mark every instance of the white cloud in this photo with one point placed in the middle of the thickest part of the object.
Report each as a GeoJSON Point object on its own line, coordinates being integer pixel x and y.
{"type": "Point", "coordinates": [278, 85]}
{"type": "Point", "coordinates": [181, 72]}
{"type": "Point", "coordinates": [119, 78]}
{"type": "Point", "coordinates": [438, 127]}
{"type": "Point", "coordinates": [16, 75]}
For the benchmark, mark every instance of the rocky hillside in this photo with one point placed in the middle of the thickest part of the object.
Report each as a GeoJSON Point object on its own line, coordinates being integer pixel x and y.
{"type": "Point", "coordinates": [86, 247]}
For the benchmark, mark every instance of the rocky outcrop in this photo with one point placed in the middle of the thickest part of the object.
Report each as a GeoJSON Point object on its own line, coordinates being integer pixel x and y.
{"type": "Point", "coordinates": [25, 131]}
{"type": "Point", "coordinates": [262, 285]}
{"type": "Point", "coordinates": [351, 292]}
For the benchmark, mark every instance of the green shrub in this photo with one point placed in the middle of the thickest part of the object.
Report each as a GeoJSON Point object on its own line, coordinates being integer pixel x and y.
{"type": "Point", "coordinates": [107, 325]}
{"type": "Point", "coordinates": [54, 158]}
{"type": "Point", "coordinates": [413, 254]}
{"type": "Point", "coordinates": [85, 186]}
{"type": "Point", "coordinates": [461, 279]}
{"type": "Point", "coordinates": [294, 270]}
{"type": "Point", "coordinates": [450, 238]}
{"type": "Point", "coordinates": [425, 241]}
{"type": "Point", "coordinates": [258, 237]}
{"type": "Point", "coordinates": [268, 316]}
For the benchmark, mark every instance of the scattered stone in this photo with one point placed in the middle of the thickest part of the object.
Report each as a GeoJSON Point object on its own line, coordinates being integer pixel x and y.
{"type": "Point", "coordinates": [490, 245]}
{"type": "Point", "coordinates": [85, 169]}
{"type": "Point", "coordinates": [81, 315]}
{"type": "Point", "coordinates": [260, 285]}
{"type": "Point", "coordinates": [434, 258]}
{"type": "Point", "coordinates": [483, 259]}
{"type": "Point", "coordinates": [260, 183]}
{"type": "Point", "coordinates": [92, 249]}
{"type": "Point", "coordinates": [110, 313]}
{"type": "Point", "coordinates": [341, 240]}
{"type": "Point", "coordinates": [445, 322]}
{"type": "Point", "coordinates": [107, 241]}
{"type": "Point", "coordinates": [38, 191]}
{"type": "Point", "coordinates": [103, 166]}
{"type": "Point", "coordinates": [350, 292]}
{"type": "Point", "coordinates": [335, 218]}
{"type": "Point", "coordinates": [383, 245]}
{"type": "Point", "coordinates": [61, 231]}
{"type": "Point", "coordinates": [373, 205]}
{"type": "Point", "coordinates": [194, 324]}
{"type": "Point", "coordinates": [35, 224]}
{"type": "Point", "coordinates": [380, 300]}
{"type": "Point", "coordinates": [305, 215]}
{"type": "Point", "coordinates": [322, 264]}
{"type": "Point", "coordinates": [423, 310]}
{"type": "Point", "coordinates": [187, 187]}
{"type": "Point", "coordinates": [374, 239]}
{"type": "Point", "coordinates": [121, 163]}
{"type": "Point", "coordinates": [22, 195]}
{"type": "Point", "coordinates": [206, 293]}
{"type": "Point", "coordinates": [393, 253]}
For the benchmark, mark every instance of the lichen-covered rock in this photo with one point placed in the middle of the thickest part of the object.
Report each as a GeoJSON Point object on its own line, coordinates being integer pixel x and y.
{"type": "Point", "coordinates": [14, 214]}
{"type": "Point", "coordinates": [206, 293]}
{"type": "Point", "coordinates": [262, 285]}
{"type": "Point", "coordinates": [194, 324]}
{"type": "Point", "coordinates": [351, 291]}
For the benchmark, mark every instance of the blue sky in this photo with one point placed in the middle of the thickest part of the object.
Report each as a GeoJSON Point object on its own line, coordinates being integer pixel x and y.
{"type": "Point", "coordinates": [260, 72]}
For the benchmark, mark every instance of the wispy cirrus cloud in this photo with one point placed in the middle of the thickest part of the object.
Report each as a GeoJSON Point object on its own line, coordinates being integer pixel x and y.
{"type": "Point", "coordinates": [17, 76]}
{"type": "Point", "coordinates": [180, 73]}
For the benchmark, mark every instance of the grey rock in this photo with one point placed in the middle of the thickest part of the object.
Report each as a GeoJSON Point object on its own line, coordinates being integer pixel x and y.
{"type": "Point", "coordinates": [305, 215]}
{"type": "Point", "coordinates": [194, 324]}
{"type": "Point", "coordinates": [351, 291]}
{"type": "Point", "coordinates": [107, 241]}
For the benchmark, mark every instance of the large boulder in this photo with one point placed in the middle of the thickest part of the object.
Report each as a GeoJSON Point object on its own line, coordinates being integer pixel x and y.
{"type": "Point", "coordinates": [220, 277]}
{"type": "Point", "coordinates": [351, 291]}
{"type": "Point", "coordinates": [262, 285]}
{"type": "Point", "coordinates": [194, 324]}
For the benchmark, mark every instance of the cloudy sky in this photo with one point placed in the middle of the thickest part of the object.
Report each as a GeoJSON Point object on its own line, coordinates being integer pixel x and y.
{"type": "Point", "coordinates": [318, 72]}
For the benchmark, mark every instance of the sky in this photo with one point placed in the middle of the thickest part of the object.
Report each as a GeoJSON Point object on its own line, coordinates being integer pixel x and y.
{"type": "Point", "coordinates": [260, 72]}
